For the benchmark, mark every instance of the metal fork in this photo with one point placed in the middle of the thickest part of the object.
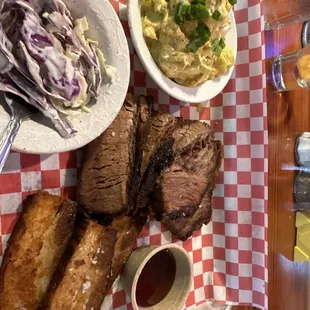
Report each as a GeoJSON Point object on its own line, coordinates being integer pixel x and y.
{"type": "Point", "coordinates": [20, 111]}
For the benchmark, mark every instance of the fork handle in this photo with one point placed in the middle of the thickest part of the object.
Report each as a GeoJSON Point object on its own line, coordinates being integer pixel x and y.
{"type": "Point", "coordinates": [7, 139]}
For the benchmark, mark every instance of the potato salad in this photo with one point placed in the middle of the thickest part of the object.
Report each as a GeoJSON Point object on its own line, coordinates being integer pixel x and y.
{"type": "Point", "coordinates": [187, 38]}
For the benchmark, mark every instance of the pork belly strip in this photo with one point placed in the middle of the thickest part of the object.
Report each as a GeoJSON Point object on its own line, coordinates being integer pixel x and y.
{"type": "Point", "coordinates": [84, 272]}
{"type": "Point", "coordinates": [34, 249]}
{"type": "Point", "coordinates": [184, 226]}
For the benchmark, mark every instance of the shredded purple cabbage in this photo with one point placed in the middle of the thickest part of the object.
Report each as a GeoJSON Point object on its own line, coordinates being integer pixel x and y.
{"type": "Point", "coordinates": [37, 40]}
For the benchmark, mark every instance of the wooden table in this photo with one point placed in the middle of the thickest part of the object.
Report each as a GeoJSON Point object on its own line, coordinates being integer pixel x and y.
{"type": "Point", "coordinates": [288, 116]}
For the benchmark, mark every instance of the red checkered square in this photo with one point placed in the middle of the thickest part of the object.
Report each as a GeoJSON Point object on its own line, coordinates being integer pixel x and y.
{"type": "Point", "coordinates": [119, 299]}
{"type": "Point", "coordinates": [255, 54]}
{"type": "Point", "coordinates": [50, 179]}
{"type": "Point", "coordinates": [244, 177]}
{"type": "Point", "coordinates": [254, 26]}
{"type": "Point", "coordinates": [198, 281]}
{"type": "Point", "coordinates": [217, 101]}
{"type": "Point", "coordinates": [7, 222]}
{"type": "Point", "coordinates": [29, 162]}
{"type": "Point", "coordinates": [230, 138]}
{"type": "Point", "coordinates": [219, 279]}
{"type": "Point", "coordinates": [245, 283]}
{"type": "Point", "coordinates": [185, 112]}
{"type": "Point", "coordinates": [219, 253]}
{"type": "Point", "coordinates": [140, 79]}
{"type": "Point", "coordinates": [67, 160]}
{"type": "Point", "coordinates": [232, 269]}
{"type": "Point", "coordinates": [231, 243]}
{"type": "Point", "coordinates": [232, 294]}
{"type": "Point", "coordinates": [245, 230]}
{"type": "Point", "coordinates": [243, 124]}
{"type": "Point", "coordinates": [242, 97]}
{"type": "Point", "coordinates": [207, 265]}
{"type": "Point", "coordinates": [243, 43]}
{"type": "Point", "coordinates": [230, 87]}
{"type": "Point", "coordinates": [229, 112]}
{"type": "Point", "coordinates": [190, 299]}
{"type": "Point", "coordinates": [231, 217]}
{"type": "Point", "coordinates": [69, 192]}
{"type": "Point", "coordinates": [245, 257]}
{"type": "Point", "coordinates": [10, 183]}
{"type": "Point", "coordinates": [230, 190]}
{"type": "Point", "coordinates": [241, 16]}
{"type": "Point", "coordinates": [187, 245]}
{"type": "Point", "coordinates": [243, 71]}
{"type": "Point", "coordinates": [257, 271]}
{"type": "Point", "coordinates": [230, 164]}
{"type": "Point", "coordinates": [156, 239]}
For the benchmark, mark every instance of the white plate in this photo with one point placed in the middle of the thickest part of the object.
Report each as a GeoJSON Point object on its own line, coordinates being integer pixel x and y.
{"type": "Point", "coordinates": [203, 92]}
{"type": "Point", "coordinates": [105, 27]}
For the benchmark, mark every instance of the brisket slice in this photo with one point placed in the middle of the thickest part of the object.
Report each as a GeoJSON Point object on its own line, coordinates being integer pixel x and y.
{"type": "Point", "coordinates": [181, 187]}
{"type": "Point", "coordinates": [107, 174]}
{"type": "Point", "coordinates": [162, 126]}
{"type": "Point", "coordinates": [183, 227]}
{"type": "Point", "coordinates": [190, 182]}
{"type": "Point", "coordinates": [168, 135]}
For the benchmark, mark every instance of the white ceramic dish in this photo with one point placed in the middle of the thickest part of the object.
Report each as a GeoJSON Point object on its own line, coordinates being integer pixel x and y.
{"type": "Point", "coordinates": [203, 92]}
{"type": "Point", "coordinates": [36, 136]}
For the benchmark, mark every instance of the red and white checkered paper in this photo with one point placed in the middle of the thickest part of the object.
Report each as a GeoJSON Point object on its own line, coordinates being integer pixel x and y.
{"type": "Point", "coordinates": [230, 254]}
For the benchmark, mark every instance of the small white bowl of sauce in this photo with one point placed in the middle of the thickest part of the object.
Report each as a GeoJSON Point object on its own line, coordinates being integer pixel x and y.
{"type": "Point", "coordinates": [158, 277]}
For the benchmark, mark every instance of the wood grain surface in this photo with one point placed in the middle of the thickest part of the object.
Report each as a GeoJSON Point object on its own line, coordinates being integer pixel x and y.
{"type": "Point", "coordinates": [288, 117]}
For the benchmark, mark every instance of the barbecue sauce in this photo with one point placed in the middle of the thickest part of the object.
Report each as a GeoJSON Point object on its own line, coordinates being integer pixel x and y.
{"type": "Point", "coordinates": [156, 279]}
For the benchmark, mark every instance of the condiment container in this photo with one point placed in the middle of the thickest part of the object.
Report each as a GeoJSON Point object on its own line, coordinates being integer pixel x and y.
{"type": "Point", "coordinates": [158, 277]}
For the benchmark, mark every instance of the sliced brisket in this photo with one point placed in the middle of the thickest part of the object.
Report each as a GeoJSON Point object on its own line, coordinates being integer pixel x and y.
{"type": "Point", "coordinates": [181, 186]}
{"type": "Point", "coordinates": [108, 171]}
{"type": "Point", "coordinates": [184, 226]}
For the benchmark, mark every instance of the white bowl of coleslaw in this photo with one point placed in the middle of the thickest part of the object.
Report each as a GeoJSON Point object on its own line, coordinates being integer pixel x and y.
{"type": "Point", "coordinates": [37, 135]}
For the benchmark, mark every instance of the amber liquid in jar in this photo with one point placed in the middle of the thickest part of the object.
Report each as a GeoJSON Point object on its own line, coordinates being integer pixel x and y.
{"type": "Point", "coordinates": [279, 13]}
{"type": "Point", "coordinates": [156, 279]}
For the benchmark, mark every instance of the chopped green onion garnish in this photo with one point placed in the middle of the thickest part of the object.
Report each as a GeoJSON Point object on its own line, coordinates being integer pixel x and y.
{"type": "Point", "coordinates": [181, 11]}
{"type": "Point", "coordinates": [222, 44]}
{"type": "Point", "coordinates": [203, 30]}
{"type": "Point", "coordinates": [232, 2]}
{"type": "Point", "coordinates": [198, 11]}
{"type": "Point", "coordinates": [177, 15]}
{"type": "Point", "coordinates": [203, 35]}
{"type": "Point", "coordinates": [199, 2]}
{"type": "Point", "coordinates": [216, 15]}
{"type": "Point", "coordinates": [194, 44]}
{"type": "Point", "coordinates": [217, 46]}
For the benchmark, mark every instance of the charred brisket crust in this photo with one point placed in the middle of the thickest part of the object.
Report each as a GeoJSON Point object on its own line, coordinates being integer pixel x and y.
{"type": "Point", "coordinates": [158, 202]}
{"type": "Point", "coordinates": [145, 110]}
{"type": "Point", "coordinates": [106, 184]}
{"type": "Point", "coordinates": [183, 227]}
{"type": "Point", "coordinates": [162, 126]}
{"type": "Point", "coordinates": [159, 160]}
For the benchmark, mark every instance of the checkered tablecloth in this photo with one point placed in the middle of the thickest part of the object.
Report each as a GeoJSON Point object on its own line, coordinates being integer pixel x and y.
{"type": "Point", "coordinates": [230, 254]}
